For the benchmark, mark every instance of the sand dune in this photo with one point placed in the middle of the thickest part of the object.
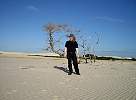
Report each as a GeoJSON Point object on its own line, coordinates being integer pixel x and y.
{"type": "Point", "coordinates": [45, 78]}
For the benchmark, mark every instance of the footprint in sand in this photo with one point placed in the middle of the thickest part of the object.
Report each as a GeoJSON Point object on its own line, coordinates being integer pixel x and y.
{"type": "Point", "coordinates": [58, 98]}
{"type": "Point", "coordinates": [112, 68]}
{"type": "Point", "coordinates": [76, 88]}
{"type": "Point", "coordinates": [134, 78]}
{"type": "Point", "coordinates": [62, 83]}
{"type": "Point", "coordinates": [11, 92]}
{"type": "Point", "coordinates": [67, 80]}
{"type": "Point", "coordinates": [69, 86]}
{"type": "Point", "coordinates": [27, 67]}
{"type": "Point", "coordinates": [55, 98]}
{"type": "Point", "coordinates": [38, 78]}
{"type": "Point", "coordinates": [14, 91]}
{"type": "Point", "coordinates": [43, 90]}
{"type": "Point", "coordinates": [23, 83]}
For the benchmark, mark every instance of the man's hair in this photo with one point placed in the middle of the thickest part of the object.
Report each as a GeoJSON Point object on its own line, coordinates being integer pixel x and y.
{"type": "Point", "coordinates": [72, 35]}
{"type": "Point", "coordinates": [74, 38]}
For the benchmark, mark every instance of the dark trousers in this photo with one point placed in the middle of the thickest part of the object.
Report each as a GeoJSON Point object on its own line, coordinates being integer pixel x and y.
{"type": "Point", "coordinates": [72, 57]}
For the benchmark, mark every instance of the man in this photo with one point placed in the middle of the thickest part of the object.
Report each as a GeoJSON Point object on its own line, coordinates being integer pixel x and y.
{"type": "Point", "coordinates": [71, 52]}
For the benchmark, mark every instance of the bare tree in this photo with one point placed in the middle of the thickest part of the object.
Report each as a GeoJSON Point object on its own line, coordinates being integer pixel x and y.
{"type": "Point", "coordinates": [83, 45]}
{"type": "Point", "coordinates": [96, 45]}
{"type": "Point", "coordinates": [54, 43]}
{"type": "Point", "coordinates": [89, 45]}
{"type": "Point", "coordinates": [51, 29]}
{"type": "Point", "coordinates": [86, 42]}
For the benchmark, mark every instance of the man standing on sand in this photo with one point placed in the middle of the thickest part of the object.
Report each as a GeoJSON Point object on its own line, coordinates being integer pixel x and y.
{"type": "Point", "coordinates": [71, 52]}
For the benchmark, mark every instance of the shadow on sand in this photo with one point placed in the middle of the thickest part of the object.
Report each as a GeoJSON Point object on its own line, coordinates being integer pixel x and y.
{"type": "Point", "coordinates": [62, 68]}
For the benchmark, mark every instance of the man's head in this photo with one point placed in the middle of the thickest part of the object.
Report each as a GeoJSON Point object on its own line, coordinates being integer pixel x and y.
{"type": "Point", "coordinates": [72, 37]}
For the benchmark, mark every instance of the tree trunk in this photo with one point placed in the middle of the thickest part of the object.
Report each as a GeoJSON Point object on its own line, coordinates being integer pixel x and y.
{"type": "Point", "coordinates": [51, 41]}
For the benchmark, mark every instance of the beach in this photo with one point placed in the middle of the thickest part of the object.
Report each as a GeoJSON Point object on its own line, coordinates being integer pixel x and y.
{"type": "Point", "coordinates": [25, 77]}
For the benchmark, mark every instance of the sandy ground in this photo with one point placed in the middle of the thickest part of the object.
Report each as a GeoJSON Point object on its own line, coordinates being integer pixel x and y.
{"type": "Point", "coordinates": [44, 78]}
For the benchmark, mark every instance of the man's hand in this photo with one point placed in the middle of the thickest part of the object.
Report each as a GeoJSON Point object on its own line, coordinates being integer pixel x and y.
{"type": "Point", "coordinates": [78, 60]}
{"type": "Point", "coordinates": [77, 55]}
{"type": "Point", "coordinates": [65, 55]}
{"type": "Point", "coordinates": [77, 52]}
{"type": "Point", "coordinates": [65, 52]}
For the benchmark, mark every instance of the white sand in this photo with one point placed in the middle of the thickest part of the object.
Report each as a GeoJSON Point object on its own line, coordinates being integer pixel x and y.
{"type": "Point", "coordinates": [30, 54]}
{"type": "Point", "coordinates": [35, 78]}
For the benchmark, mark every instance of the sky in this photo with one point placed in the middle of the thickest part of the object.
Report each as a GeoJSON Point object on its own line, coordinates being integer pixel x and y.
{"type": "Point", "coordinates": [21, 23]}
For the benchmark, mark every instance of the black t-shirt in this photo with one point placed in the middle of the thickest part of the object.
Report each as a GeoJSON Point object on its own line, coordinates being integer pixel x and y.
{"type": "Point", "coordinates": [71, 46]}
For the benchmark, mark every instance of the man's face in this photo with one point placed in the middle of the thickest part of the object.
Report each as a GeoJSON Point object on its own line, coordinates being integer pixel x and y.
{"type": "Point", "coordinates": [71, 38]}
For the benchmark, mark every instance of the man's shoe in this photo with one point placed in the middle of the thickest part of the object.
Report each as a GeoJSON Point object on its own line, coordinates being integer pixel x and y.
{"type": "Point", "coordinates": [77, 73]}
{"type": "Point", "coordinates": [69, 73]}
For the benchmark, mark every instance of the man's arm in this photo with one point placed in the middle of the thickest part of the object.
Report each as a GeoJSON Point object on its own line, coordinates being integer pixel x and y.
{"type": "Point", "coordinates": [65, 51]}
{"type": "Point", "coordinates": [77, 52]}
